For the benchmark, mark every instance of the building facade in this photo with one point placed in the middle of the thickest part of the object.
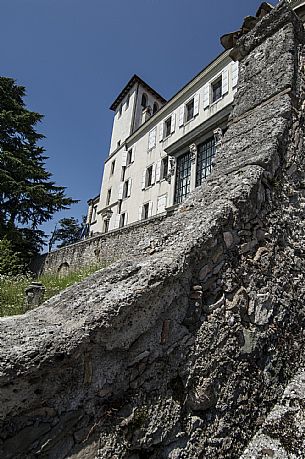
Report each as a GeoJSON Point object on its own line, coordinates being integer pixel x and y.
{"type": "Point", "coordinates": [162, 150]}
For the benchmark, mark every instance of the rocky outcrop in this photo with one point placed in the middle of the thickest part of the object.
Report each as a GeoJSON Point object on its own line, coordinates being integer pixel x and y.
{"type": "Point", "coordinates": [183, 353]}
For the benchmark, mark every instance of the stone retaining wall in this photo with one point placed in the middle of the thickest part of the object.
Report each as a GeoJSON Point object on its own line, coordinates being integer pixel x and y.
{"type": "Point", "coordinates": [102, 249]}
{"type": "Point", "coordinates": [182, 353]}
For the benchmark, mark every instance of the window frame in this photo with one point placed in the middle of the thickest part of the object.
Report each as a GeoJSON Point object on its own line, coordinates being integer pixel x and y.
{"type": "Point", "coordinates": [163, 175]}
{"type": "Point", "coordinates": [144, 98]}
{"type": "Point", "coordinates": [216, 81]}
{"type": "Point", "coordinates": [129, 157]}
{"type": "Point", "coordinates": [186, 116]}
{"type": "Point", "coordinates": [112, 167]}
{"type": "Point", "coordinates": [155, 107]}
{"type": "Point", "coordinates": [125, 189]}
{"type": "Point", "coordinates": [167, 127]}
{"type": "Point", "coordinates": [108, 197]}
{"type": "Point", "coordinates": [183, 182]}
{"type": "Point", "coordinates": [206, 151]}
{"type": "Point", "coordinates": [122, 221]}
{"type": "Point", "coordinates": [145, 211]}
{"type": "Point", "coordinates": [149, 172]}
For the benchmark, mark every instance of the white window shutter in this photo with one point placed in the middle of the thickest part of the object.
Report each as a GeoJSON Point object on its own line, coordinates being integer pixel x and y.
{"type": "Point", "coordinates": [225, 81]}
{"type": "Point", "coordinates": [121, 190]}
{"type": "Point", "coordinates": [196, 104]}
{"type": "Point", "coordinates": [206, 95]}
{"type": "Point", "coordinates": [143, 179]}
{"type": "Point", "coordinates": [132, 153]}
{"type": "Point", "coordinates": [181, 115]}
{"type": "Point", "coordinates": [124, 158]}
{"type": "Point", "coordinates": [161, 129]}
{"type": "Point", "coordinates": [129, 188]}
{"type": "Point", "coordinates": [158, 171]}
{"type": "Point", "coordinates": [150, 209]}
{"type": "Point", "coordinates": [140, 213]}
{"type": "Point", "coordinates": [161, 204]}
{"type": "Point", "coordinates": [152, 139]}
{"type": "Point", "coordinates": [126, 218]}
{"type": "Point", "coordinates": [235, 69]}
{"type": "Point", "coordinates": [173, 122]}
{"type": "Point", "coordinates": [153, 175]}
{"type": "Point", "coordinates": [117, 221]}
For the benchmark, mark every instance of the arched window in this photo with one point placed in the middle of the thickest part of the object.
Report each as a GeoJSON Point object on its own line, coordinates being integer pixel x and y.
{"type": "Point", "coordinates": [155, 108]}
{"type": "Point", "coordinates": [144, 100]}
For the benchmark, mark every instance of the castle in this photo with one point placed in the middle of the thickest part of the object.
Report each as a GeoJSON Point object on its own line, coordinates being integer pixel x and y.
{"type": "Point", "coordinates": [162, 150]}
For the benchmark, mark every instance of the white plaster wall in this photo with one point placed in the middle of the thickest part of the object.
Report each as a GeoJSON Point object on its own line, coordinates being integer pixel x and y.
{"type": "Point", "coordinates": [122, 124]}
{"type": "Point", "coordinates": [143, 157]}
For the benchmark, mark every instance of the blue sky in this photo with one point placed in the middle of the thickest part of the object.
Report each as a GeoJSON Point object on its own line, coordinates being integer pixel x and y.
{"type": "Point", "coordinates": [74, 57]}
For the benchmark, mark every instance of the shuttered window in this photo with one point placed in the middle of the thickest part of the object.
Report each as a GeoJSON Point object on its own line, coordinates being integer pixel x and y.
{"type": "Point", "coordinates": [216, 89]}
{"type": "Point", "coordinates": [164, 168]}
{"type": "Point", "coordinates": [189, 110]}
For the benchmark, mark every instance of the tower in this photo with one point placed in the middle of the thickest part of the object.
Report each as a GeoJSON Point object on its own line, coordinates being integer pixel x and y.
{"type": "Point", "coordinates": [133, 106]}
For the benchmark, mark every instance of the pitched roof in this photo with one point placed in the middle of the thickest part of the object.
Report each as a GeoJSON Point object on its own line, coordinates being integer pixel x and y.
{"type": "Point", "coordinates": [133, 80]}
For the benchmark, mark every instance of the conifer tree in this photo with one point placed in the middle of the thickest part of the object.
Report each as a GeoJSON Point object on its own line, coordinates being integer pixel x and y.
{"type": "Point", "coordinates": [28, 195]}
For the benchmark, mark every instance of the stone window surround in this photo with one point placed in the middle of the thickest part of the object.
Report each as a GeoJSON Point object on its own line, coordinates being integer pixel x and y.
{"type": "Point", "coordinates": [183, 147]}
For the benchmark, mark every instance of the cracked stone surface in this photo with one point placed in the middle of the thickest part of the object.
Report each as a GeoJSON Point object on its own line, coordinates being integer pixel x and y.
{"type": "Point", "coordinates": [197, 350]}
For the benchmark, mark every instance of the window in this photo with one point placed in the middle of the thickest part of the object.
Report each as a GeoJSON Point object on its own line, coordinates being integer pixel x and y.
{"type": "Point", "coordinates": [122, 220]}
{"type": "Point", "coordinates": [127, 102]}
{"type": "Point", "coordinates": [125, 189]}
{"type": "Point", "coordinates": [164, 168]}
{"type": "Point", "coordinates": [216, 89]}
{"type": "Point", "coordinates": [148, 181]}
{"type": "Point", "coordinates": [119, 206]}
{"type": "Point", "coordinates": [129, 157]}
{"type": "Point", "coordinates": [144, 100]}
{"type": "Point", "coordinates": [112, 167]}
{"type": "Point", "coordinates": [108, 197]}
{"type": "Point", "coordinates": [123, 173]}
{"type": "Point", "coordinates": [118, 144]}
{"type": "Point", "coordinates": [206, 152]}
{"type": "Point", "coordinates": [120, 110]}
{"type": "Point", "coordinates": [167, 127]}
{"type": "Point", "coordinates": [189, 110]}
{"type": "Point", "coordinates": [155, 108]}
{"type": "Point", "coordinates": [106, 226]}
{"type": "Point", "coordinates": [183, 178]}
{"type": "Point", "coordinates": [145, 211]}
{"type": "Point", "coordinates": [94, 214]}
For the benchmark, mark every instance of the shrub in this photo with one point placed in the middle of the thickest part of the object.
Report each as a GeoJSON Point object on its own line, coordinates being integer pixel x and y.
{"type": "Point", "coordinates": [10, 261]}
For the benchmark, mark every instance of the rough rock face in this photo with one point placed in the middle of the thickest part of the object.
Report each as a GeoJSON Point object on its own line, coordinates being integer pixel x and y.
{"type": "Point", "coordinates": [183, 354]}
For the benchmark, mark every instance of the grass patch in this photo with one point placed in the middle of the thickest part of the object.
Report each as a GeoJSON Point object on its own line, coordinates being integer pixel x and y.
{"type": "Point", "coordinates": [12, 287]}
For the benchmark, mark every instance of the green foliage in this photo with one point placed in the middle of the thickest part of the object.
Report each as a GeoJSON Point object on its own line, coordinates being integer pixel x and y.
{"type": "Point", "coordinates": [68, 232]}
{"type": "Point", "coordinates": [12, 287]}
{"type": "Point", "coordinates": [10, 261]}
{"type": "Point", "coordinates": [12, 294]}
{"type": "Point", "coordinates": [28, 196]}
